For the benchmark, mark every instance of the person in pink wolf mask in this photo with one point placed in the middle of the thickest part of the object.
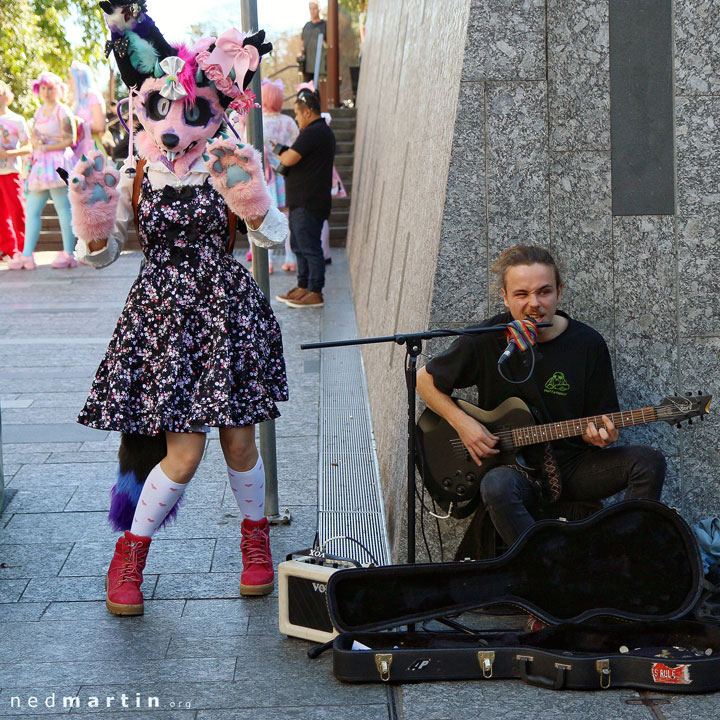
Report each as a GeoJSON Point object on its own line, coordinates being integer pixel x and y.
{"type": "Point", "coordinates": [196, 345]}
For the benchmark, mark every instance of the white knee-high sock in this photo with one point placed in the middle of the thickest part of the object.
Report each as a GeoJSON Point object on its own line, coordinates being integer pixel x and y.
{"type": "Point", "coordinates": [249, 490]}
{"type": "Point", "coordinates": [158, 497]}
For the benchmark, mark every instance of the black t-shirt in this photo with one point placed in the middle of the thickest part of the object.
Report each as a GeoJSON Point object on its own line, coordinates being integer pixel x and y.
{"type": "Point", "coordinates": [309, 183]}
{"type": "Point", "coordinates": [572, 378]}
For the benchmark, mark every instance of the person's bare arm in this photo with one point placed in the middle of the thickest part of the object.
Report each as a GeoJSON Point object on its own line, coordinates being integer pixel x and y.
{"type": "Point", "coordinates": [479, 441]}
{"type": "Point", "coordinates": [98, 122]}
{"type": "Point", "coordinates": [25, 149]}
{"type": "Point", "coordinates": [67, 139]}
{"type": "Point", "coordinates": [290, 157]}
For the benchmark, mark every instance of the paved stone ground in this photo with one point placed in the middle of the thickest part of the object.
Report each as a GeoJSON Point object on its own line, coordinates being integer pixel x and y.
{"type": "Point", "coordinates": [202, 651]}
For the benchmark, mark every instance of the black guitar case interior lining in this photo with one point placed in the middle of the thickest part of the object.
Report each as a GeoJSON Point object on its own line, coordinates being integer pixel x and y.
{"type": "Point", "coordinates": [636, 560]}
{"type": "Point", "coordinates": [613, 587]}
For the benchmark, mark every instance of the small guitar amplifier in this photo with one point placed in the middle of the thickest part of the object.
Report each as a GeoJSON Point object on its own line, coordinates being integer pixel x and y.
{"type": "Point", "coordinates": [302, 588]}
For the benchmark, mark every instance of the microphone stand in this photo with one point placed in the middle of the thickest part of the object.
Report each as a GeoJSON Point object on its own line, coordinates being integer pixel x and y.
{"type": "Point", "coordinates": [413, 347]}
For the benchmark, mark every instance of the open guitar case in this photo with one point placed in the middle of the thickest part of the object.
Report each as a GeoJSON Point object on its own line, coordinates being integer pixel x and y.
{"type": "Point", "coordinates": [615, 589]}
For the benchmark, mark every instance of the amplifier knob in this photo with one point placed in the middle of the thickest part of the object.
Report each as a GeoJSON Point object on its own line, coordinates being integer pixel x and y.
{"type": "Point", "coordinates": [446, 482]}
{"type": "Point", "coordinates": [460, 489]}
{"type": "Point", "coordinates": [470, 477]}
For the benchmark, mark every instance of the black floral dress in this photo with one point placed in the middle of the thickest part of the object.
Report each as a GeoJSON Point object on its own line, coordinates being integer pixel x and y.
{"type": "Point", "coordinates": [197, 343]}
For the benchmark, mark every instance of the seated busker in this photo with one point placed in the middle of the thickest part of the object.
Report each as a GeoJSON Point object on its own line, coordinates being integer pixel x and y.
{"type": "Point", "coordinates": [197, 344]}
{"type": "Point", "coordinates": [572, 378]}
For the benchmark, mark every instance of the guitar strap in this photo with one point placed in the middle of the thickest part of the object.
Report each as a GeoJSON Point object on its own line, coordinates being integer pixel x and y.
{"type": "Point", "coordinates": [551, 480]}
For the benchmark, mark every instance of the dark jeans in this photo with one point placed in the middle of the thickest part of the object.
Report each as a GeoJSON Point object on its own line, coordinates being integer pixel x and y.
{"type": "Point", "coordinates": [509, 496]}
{"type": "Point", "coordinates": [305, 242]}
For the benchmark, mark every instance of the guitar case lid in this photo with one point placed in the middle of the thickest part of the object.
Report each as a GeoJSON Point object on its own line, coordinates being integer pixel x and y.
{"type": "Point", "coordinates": [636, 560]}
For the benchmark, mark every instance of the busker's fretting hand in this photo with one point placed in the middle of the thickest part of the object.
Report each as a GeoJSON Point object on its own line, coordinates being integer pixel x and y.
{"type": "Point", "coordinates": [602, 437]}
{"type": "Point", "coordinates": [478, 440]}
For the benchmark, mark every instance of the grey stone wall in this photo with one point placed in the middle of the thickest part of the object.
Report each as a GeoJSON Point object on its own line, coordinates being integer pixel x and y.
{"type": "Point", "coordinates": [486, 123]}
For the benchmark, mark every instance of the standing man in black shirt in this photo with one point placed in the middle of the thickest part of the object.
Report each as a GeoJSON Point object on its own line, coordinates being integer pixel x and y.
{"type": "Point", "coordinates": [308, 185]}
{"type": "Point", "coordinates": [572, 378]}
{"type": "Point", "coordinates": [310, 35]}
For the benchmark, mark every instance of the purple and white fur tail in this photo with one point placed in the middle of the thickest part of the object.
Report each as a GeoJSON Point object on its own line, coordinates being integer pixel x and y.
{"type": "Point", "coordinates": [137, 456]}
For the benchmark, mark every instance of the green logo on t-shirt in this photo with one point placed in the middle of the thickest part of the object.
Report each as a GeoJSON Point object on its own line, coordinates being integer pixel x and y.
{"type": "Point", "coordinates": [557, 384]}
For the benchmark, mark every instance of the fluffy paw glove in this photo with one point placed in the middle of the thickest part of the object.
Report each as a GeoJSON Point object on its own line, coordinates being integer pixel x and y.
{"type": "Point", "coordinates": [93, 197]}
{"type": "Point", "coordinates": [237, 174]}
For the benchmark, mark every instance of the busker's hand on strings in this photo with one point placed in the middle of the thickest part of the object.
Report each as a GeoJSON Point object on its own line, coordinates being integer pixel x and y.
{"type": "Point", "coordinates": [478, 440]}
{"type": "Point", "coordinates": [602, 437]}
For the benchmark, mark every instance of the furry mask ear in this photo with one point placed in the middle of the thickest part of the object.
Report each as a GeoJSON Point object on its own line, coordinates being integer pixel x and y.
{"type": "Point", "coordinates": [263, 48]}
{"type": "Point", "coordinates": [143, 55]}
{"type": "Point", "coordinates": [134, 39]}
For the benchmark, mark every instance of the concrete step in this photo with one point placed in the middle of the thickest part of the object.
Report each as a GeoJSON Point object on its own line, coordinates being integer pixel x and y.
{"type": "Point", "coordinates": [343, 123]}
{"type": "Point", "coordinates": [343, 112]}
{"type": "Point", "coordinates": [343, 135]}
{"type": "Point", "coordinates": [339, 232]}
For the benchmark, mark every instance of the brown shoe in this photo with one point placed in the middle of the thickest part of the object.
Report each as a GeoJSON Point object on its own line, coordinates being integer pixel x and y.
{"type": "Point", "coordinates": [309, 299]}
{"type": "Point", "coordinates": [293, 294]}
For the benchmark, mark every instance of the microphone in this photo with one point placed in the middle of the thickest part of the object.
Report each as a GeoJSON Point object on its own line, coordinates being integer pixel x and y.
{"type": "Point", "coordinates": [520, 334]}
{"type": "Point", "coordinates": [509, 350]}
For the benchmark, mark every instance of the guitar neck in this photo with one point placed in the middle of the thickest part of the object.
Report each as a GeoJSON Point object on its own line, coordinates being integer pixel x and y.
{"type": "Point", "coordinates": [534, 434]}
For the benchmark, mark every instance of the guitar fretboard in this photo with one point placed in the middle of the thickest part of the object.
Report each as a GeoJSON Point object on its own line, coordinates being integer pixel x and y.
{"type": "Point", "coordinates": [534, 434]}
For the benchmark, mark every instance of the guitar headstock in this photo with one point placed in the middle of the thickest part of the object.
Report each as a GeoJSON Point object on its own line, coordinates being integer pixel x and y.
{"type": "Point", "coordinates": [679, 408]}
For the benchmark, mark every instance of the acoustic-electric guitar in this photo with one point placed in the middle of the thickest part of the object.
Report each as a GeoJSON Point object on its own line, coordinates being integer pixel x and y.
{"type": "Point", "coordinates": [451, 475]}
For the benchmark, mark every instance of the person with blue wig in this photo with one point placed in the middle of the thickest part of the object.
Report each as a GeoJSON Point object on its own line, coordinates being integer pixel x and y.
{"type": "Point", "coordinates": [89, 105]}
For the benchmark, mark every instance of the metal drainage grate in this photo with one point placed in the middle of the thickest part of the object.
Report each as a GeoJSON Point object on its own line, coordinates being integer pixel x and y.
{"type": "Point", "coordinates": [349, 498]}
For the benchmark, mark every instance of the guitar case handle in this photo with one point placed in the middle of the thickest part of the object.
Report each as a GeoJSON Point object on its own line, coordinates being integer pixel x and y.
{"type": "Point", "coordinates": [556, 683]}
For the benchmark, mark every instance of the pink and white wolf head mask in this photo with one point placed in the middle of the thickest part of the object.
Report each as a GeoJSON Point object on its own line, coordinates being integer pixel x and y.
{"type": "Point", "coordinates": [182, 93]}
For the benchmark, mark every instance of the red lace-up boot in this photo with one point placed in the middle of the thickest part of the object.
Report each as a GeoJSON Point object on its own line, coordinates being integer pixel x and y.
{"type": "Point", "coordinates": [258, 576]}
{"type": "Point", "coordinates": [124, 576]}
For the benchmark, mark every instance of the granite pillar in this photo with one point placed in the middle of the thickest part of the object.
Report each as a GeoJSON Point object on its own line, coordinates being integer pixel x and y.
{"type": "Point", "coordinates": [485, 123]}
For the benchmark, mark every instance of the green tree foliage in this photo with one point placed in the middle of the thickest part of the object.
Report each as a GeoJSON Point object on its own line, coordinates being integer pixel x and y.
{"type": "Point", "coordinates": [33, 38]}
{"type": "Point", "coordinates": [353, 6]}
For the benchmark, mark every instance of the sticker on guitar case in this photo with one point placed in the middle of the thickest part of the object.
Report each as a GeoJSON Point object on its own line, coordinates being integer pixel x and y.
{"type": "Point", "coordinates": [679, 675]}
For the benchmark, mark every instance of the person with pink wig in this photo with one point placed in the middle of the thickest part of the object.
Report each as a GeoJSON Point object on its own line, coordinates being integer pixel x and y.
{"type": "Point", "coordinates": [14, 142]}
{"type": "Point", "coordinates": [282, 130]}
{"type": "Point", "coordinates": [53, 136]}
